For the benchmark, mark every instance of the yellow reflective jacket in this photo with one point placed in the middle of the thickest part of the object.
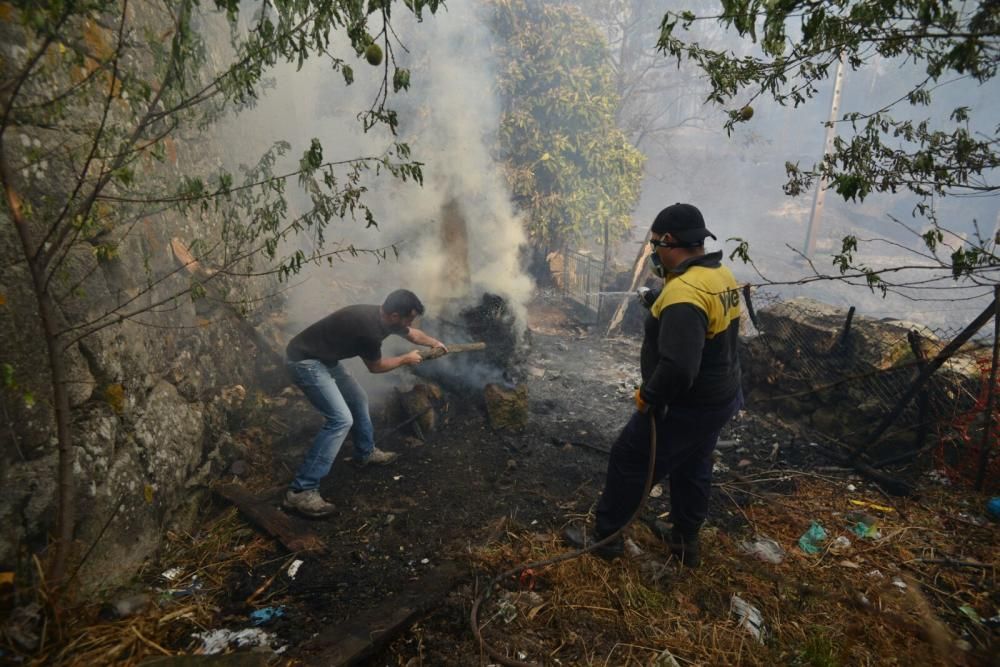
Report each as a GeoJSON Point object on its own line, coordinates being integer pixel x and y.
{"type": "Point", "coordinates": [690, 351]}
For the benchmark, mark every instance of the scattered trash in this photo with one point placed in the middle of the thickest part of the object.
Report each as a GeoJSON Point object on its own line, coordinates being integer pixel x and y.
{"type": "Point", "coordinates": [849, 563]}
{"type": "Point", "coordinates": [811, 538]}
{"type": "Point", "coordinates": [971, 613]}
{"type": "Point", "coordinates": [876, 574]}
{"type": "Point", "coordinates": [632, 549]}
{"type": "Point", "coordinates": [173, 574]}
{"type": "Point", "coordinates": [266, 615]}
{"type": "Point", "coordinates": [743, 463]}
{"type": "Point", "coordinates": [939, 476]}
{"type": "Point", "coordinates": [506, 610]}
{"type": "Point", "coordinates": [293, 569]}
{"type": "Point", "coordinates": [993, 507]}
{"type": "Point", "coordinates": [130, 606]}
{"type": "Point", "coordinates": [993, 621]}
{"type": "Point", "coordinates": [868, 532]}
{"type": "Point", "coordinates": [425, 561]}
{"type": "Point", "coordinates": [864, 525]}
{"type": "Point", "coordinates": [194, 587]}
{"type": "Point", "coordinates": [217, 641]}
{"type": "Point", "coordinates": [656, 491]}
{"type": "Point", "coordinates": [865, 503]}
{"type": "Point", "coordinates": [899, 583]}
{"type": "Point", "coordinates": [852, 488]}
{"type": "Point", "coordinates": [665, 659]}
{"type": "Point", "coordinates": [396, 478]}
{"type": "Point", "coordinates": [972, 518]}
{"type": "Point", "coordinates": [840, 545]}
{"type": "Point", "coordinates": [719, 467]}
{"type": "Point", "coordinates": [765, 549]}
{"type": "Point", "coordinates": [749, 617]}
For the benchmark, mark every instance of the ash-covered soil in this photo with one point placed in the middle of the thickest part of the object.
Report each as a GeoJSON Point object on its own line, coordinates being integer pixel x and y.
{"type": "Point", "coordinates": [398, 523]}
{"type": "Point", "coordinates": [469, 502]}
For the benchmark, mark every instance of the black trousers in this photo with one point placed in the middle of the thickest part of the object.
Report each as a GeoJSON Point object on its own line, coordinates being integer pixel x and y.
{"type": "Point", "coordinates": [685, 439]}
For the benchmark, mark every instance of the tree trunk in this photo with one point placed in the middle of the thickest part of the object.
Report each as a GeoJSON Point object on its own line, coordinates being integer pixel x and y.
{"type": "Point", "coordinates": [60, 394]}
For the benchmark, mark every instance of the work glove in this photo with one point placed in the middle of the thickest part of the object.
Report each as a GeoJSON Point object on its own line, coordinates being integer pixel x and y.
{"type": "Point", "coordinates": [647, 296]}
{"type": "Point", "coordinates": [640, 404]}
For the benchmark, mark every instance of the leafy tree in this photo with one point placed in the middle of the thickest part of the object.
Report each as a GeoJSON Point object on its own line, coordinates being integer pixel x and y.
{"type": "Point", "coordinates": [884, 149]}
{"type": "Point", "coordinates": [656, 98]}
{"type": "Point", "coordinates": [570, 168]}
{"type": "Point", "coordinates": [97, 98]}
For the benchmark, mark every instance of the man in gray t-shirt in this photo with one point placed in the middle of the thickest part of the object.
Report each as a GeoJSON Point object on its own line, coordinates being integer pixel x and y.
{"type": "Point", "coordinates": [313, 360]}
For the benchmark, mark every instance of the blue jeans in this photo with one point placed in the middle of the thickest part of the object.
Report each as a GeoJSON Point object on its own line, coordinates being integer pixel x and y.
{"type": "Point", "coordinates": [685, 439]}
{"type": "Point", "coordinates": [343, 403]}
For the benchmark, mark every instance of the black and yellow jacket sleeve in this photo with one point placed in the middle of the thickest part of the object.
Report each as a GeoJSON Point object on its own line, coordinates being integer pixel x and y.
{"type": "Point", "coordinates": [690, 351]}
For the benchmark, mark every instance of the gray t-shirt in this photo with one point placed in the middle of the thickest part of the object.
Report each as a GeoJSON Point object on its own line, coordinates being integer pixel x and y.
{"type": "Point", "coordinates": [354, 331]}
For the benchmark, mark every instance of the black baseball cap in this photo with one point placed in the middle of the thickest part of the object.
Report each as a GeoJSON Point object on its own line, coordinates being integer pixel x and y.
{"type": "Point", "coordinates": [683, 222]}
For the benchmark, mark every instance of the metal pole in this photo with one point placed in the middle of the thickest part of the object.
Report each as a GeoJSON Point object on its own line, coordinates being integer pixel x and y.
{"type": "Point", "coordinates": [820, 195]}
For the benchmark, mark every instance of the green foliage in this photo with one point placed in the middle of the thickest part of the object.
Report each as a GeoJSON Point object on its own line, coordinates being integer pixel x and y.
{"type": "Point", "coordinates": [819, 650]}
{"type": "Point", "coordinates": [570, 168]}
{"type": "Point", "coordinates": [802, 40]}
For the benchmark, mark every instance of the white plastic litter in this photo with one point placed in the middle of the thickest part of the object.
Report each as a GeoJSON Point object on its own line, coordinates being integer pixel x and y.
{"type": "Point", "coordinates": [632, 549]}
{"type": "Point", "coordinates": [172, 574]}
{"type": "Point", "coordinates": [656, 491]}
{"type": "Point", "coordinates": [840, 545]}
{"type": "Point", "coordinates": [293, 569]}
{"type": "Point", "coordinates": [666, 659]}
{"type": "Point", "coordinates": [749, 617]}
{"type": "Point", "coordinates": [765, 549]}
{"type": "Point", "coordinates": [217, 641]}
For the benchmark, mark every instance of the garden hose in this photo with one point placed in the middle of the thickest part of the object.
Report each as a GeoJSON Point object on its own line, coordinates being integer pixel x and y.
{"type": "Point", "coordinates": [488, 589]}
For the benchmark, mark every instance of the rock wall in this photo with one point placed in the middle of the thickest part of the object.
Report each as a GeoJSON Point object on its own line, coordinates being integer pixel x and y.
{"type": "Point", "coordinates": [802, 367]}
{"type": "Point", "coordinates": [148, 421]}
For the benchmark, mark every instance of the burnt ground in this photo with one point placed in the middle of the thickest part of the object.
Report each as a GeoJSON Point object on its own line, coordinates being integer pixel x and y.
{"type": "Point", "coordinates": [470, 502]}
{"type": "Point", "coordinates": [400, 522]}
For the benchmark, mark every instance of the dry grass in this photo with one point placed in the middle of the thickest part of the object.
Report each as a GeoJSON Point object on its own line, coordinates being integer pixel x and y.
{"type": "Point", "coordinates": [223, 545]}
{"type": "Point", "coordinates": [823, 610]}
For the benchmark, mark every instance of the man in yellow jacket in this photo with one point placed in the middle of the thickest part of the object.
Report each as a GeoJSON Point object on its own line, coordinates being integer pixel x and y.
{"type": "Point", "coordinates": [690, 386]}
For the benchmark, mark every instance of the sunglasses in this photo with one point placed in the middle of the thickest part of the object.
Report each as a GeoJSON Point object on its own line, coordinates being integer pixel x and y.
{"type": "Point", "coordinates": [660, 243]}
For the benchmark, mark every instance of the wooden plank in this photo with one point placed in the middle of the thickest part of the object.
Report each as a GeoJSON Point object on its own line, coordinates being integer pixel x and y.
{"type": "Point", "coordinates": [292, 532]}
{"type": "Point", "coordinates": [638, 270]}
{"type": "Point", "coordinates": [365, 633]}
{"type": "Point", "coordinates": [436, 352]}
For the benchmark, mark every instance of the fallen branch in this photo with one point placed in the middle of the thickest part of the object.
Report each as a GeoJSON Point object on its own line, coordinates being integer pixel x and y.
{"type": "Point", "coordinates": [951, 562]}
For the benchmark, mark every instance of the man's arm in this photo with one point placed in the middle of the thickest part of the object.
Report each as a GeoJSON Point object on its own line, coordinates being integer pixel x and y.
{"type": "Point", "coordinates": [682, 338]}
{"type": "Point", "coordinates": [420, 338]}
{"type": "Point", "coordinates": [386, 364]}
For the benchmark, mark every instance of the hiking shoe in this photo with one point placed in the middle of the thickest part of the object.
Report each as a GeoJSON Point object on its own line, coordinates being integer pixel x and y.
{"type": "Point", "coordinates": [309, 503]}
{"type": "Point", "coordinates": [378, 457]}
{"type": "Point", "coordinates": [684, 546]}
{"type": "Point", "coordinates": [576, 536]}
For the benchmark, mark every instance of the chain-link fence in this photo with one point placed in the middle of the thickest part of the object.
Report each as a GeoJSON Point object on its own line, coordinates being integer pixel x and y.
{"type": "Point", "coordinates": [838, 375]}
{"type": "Point", "coordinates": [582, 278]}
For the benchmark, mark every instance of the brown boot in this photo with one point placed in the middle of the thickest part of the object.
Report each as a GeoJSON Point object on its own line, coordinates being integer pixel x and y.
{"type": "Point", "coordinates": [684, 546]}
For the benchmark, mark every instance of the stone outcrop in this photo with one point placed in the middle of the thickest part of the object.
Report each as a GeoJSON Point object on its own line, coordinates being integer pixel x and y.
{"type": "Point", "coordinates": [148, 423]}
{"type": "Point", "coordinates": [803, 367]}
